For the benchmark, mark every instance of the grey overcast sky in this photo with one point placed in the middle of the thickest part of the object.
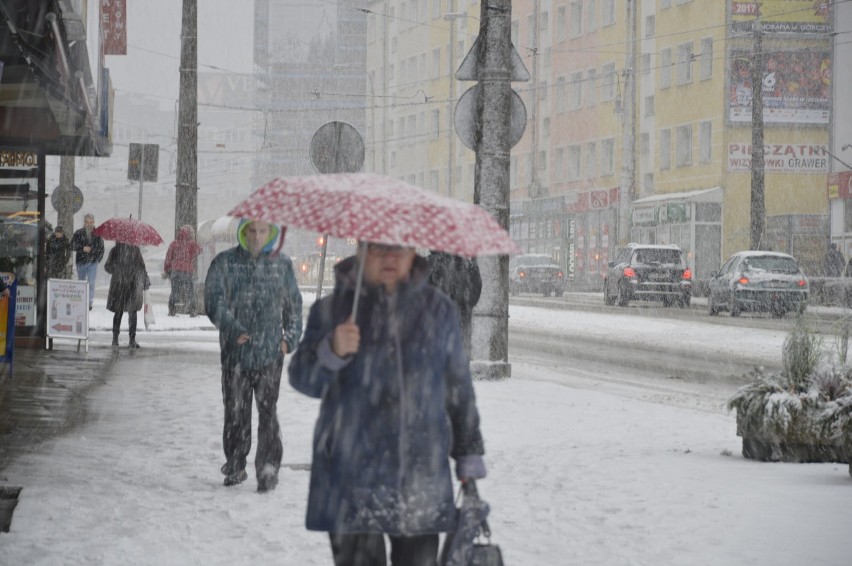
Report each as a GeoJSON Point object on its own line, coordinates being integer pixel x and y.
{"type": "Point", "coordinates": [151, 66]}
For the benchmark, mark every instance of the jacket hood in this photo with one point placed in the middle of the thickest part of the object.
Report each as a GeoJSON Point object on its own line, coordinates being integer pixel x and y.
{"type": "Point", "coordinates": [185, 234]}
{"type": "Point", "coordinates": [274, 231]}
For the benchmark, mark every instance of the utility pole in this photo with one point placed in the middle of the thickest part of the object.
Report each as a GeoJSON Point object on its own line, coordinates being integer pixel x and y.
{"type": "Point", "coordinates": [384, 89]}
{"type": "Point", "coordinates": [758, 205]}
{"type": "Point", "coordinates": [451, 17]}
{"type": "Point", "coordinates": [186, 195]}
{"type": "Point", "coordinates": [491, 188]}
{"type": "Point", "coordinates": [65, 216]}
{"type": "Point", "coordinates": [628, 151]}
{"type": "Point", "coordinates": [535, 186]}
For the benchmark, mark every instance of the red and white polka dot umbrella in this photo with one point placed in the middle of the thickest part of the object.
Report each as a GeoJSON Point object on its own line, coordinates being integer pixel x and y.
{"type": "Point", "coordinates": [377, 208]}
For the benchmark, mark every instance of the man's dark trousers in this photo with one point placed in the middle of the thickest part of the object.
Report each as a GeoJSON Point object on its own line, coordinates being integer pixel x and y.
{"type": "Point", "coordinates": [237, 388]}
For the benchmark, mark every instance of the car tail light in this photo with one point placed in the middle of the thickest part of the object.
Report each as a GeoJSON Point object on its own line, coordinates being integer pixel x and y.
{"type": "Point", "coordinates": [521, 274]}
{"type": "Point", "coordinates": [743, 280]}
{"type": "Point", "coordinates": [629, 272]}
{"type": "Point", "coordinates": [803, 283]}
{"type": "Point", "coordinates": [560, 275]}
{"type": "Point", "coordinates": [687, 274]}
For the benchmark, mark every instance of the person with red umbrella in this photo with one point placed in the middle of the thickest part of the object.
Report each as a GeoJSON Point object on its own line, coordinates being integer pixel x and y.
{"type": "Point", "coordinates": [397, 403]}
{"type": "Point", "coordinates": [129, 280]}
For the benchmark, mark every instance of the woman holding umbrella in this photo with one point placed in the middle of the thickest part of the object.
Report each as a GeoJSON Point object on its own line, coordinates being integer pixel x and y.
{"type": "Point", "coordinates": [397, 402]}
{"type": "Point", "coordinates": [129, 279]}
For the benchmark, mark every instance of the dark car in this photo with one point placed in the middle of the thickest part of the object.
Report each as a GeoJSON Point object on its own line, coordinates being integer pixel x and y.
{"type": "Point", "coordinates": [649, 273]}
{"type": "Point", "coordinates": [758, 282]}
{"type": "Point", "coordinates": [535, 273]}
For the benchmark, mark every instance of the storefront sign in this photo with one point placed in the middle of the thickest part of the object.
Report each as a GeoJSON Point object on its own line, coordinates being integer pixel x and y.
{"type": "Point", "coordinates": [673, 213]}
{"type": "Point", "coordinates": [25, 306]}
{"type": "Point", "coordinates": [796, 87]}
{"type": "Point", "coordinates": [645, 216]}
{"type": "Point", "coordinates": [18, 159]}
{"type": "Point", "coordinates": [781, 158]}
{"type": "Point", "coordinates": [840, 185]}
{"type": "Point", "coordinates": [572, 248]}
{"type": "Point", "coordinates": [552, 205]}
{"type": "Point", "coordinates": [782, 16]}
{"type": "Point", "coordinates": [598, 199]}
{"type": "Point", "coordinates": [67, 309]}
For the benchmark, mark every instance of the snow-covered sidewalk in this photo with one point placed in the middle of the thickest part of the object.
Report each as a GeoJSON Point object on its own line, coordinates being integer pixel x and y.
{"type": "Point", "coordinates": [576, 477]}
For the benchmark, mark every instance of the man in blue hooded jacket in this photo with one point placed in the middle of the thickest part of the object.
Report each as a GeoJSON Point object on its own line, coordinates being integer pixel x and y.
{"type": "Point", "coordinates": [251, 295]}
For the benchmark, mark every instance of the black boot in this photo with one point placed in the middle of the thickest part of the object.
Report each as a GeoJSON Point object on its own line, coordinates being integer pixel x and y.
{"type": "Point", "coordinates": [115, 339]}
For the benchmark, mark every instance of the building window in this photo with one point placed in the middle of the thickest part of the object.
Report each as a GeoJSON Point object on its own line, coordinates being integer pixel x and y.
{"type": "Point", "coordinates": [665, 4]}
{"type": "Point", "coordinates": [706, 58]}
{"type": "Point", "coordinates": [560, 94]}
{"type": "Point", "coordinates": [559, 164]}
{"type": "Point", "coordinates": [607, 12]}
{"type": "Point", "coordinates": [436, 63]}
{"type": "Point", "coordinates": [645, 150]}
{"type": "Point", "coordinates": [608, 85]}
{"type": "Point", "coordinates": [436, 122]}
{"type": "Point", "coordinates": [436, 9]}
{"type": "Point", "coordinates": [684, 63]}
{"type": "Point", "coordinates": [648, 183]}
{"type": "Point", "coordinates": [575, 19]}
{"type": "Point", "coordinates": [542, 93]}
{"type": "Point", "coordinates": [545, 127]}
{"type": "Point", "coordinates": [574, 155]}
{"type": "Point", "coordinates": [560, 23]}
{"type": "Point", "coordinates": [433, 179]}
{"type": "Point", "coordinates": [591, 87]}
{"type": "Point", "coordinates": [607, 156]}
{"type": "Point", "coordinates": [665, 68]}
{"type": "Point", "coordinates": [544, 21]}
{"type": "Point", "coordinates": [591, 160]}
{"type": "Point", "coordinates": [649, 106]}
{"type": "Point", "coordinates": [542, 160]}
{"type": "Point", "coordinates": [683, 145]}
{"type": "Point", "coordinates": [592, 16]}
{"type": "Point", "coordinates": [705, 142]}
{"type": "Point", "coordinates": [665, 149]}
{"type": "Point", "coordinates": [650, 26]}
{"type": "Point", "coordinates": [646, 63]}
{"type": "Point", "coordinates": [575, 89]}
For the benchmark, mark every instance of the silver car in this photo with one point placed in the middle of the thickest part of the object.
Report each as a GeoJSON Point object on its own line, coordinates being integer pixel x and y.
{"type": "Point", "coordinates": [758, 282]}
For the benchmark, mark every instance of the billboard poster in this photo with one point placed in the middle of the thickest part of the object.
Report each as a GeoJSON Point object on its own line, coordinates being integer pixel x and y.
{"type": "Point", "coordinates": [114, 27]}
{"type": "Point", "coordinates": [782, 16]}
{"type": "Point", "coordinates": [67, 309]}
{"type": "Point", "coordinates": [796, 87]}
{"type": "Point", "coordinates": [781, 158]}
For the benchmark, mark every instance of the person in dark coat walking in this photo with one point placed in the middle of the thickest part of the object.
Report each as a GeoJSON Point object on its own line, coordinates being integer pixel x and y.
{"type": "Point", "coordinates": [251, 295]}
{"type": "Point", "coordinates": [459, 278]}
{"type": "Point", "coordinates": [58, 253]}
{"type": "Point", "coordinates": [179, 267]}
{"type": "Point", "coordinates": [90, 251]}
{"type": "Point", "coordinates": [834, 261]}
{"type": "Point", "coordinates": [397, 403]}
{"type": "Point", "coordinates": [129, 280]}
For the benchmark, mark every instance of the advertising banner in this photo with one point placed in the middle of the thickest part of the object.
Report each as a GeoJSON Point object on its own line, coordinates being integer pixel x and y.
{"type": "Point", "coordinates": [796, 87]}
{"type": "Point", "coordinates": [114, 26]}
{"type": "Point", "coordinates": [8, 278]}
{"type": "Point", "coordinates": [67, 309]}
{"type": "Point", "coordinates": [781, 158]}
{"type": "Point", "coordinates": [782, 16]}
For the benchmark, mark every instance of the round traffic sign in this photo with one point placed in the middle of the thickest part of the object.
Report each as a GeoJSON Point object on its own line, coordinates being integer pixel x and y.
{"type": "Point", "coordinates": [64, 197]}
{"type": "Point", "coordinates": [465, 117]}
{"type": "Point", "coordinates": [337, 147]}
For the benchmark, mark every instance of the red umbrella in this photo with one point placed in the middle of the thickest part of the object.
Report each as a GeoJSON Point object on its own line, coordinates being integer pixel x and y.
{"type": "Point", "coordinates": [129, 231]}
{"type": "Point", "coordinates": [378, 209]}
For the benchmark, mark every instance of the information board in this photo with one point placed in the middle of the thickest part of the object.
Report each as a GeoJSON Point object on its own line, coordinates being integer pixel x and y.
{"type": "Point", "coordinates": [67, 309]}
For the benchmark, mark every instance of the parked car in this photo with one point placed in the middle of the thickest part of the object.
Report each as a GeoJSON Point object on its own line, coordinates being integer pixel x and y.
{"type": "Point", "coordinates": [758, 281]}
{"type": "Point", "coordinates": [535, 273]}
{"type": "Point", "coordinates": [648, 272]}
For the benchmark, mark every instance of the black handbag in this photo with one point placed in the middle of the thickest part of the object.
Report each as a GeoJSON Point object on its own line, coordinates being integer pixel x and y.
{"type": "Point", "coordinates": [463, 547]}
{"type": "Point", "coordinates": [486, 554]}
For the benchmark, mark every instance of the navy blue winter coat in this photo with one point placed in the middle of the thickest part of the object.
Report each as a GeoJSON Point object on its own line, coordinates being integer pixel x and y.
{"type": "Point", "coordinates": [254, 296]}
{"type": "Point", "coordinates": [391, 415]}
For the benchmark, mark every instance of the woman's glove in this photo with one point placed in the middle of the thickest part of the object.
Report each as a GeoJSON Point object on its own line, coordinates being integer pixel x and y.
{"type": "Point", "coordinates": [470, 467]}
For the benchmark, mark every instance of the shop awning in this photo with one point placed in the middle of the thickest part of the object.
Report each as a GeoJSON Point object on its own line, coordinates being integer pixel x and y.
{"type": "Point", "coordinates": [714, 194]}
{"type": "Point", "coordinates": [47, 95]}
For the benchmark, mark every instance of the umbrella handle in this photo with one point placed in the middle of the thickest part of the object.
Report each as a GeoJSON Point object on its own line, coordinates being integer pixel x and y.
{"type": "Point", "coordinates": [362, 257]}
